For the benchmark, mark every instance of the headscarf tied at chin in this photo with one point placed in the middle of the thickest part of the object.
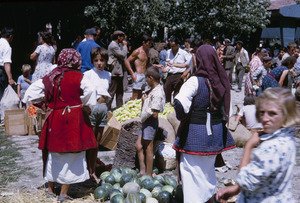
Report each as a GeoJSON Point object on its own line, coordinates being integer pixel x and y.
{"type": "Point", "coordinates": [210, 67]}
{"type": "Point", "coordinates": [68, 60]}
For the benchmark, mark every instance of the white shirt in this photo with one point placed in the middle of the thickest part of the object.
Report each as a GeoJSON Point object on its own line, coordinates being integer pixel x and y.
{"type": "Point", "coordinates": [101, 81]}
{"type": "Point", "coordinates": [249, 113]}
{"type": "Point", "coordinates": [35, 92]}
{"type": "Point", "coordinates": [180, 57]}
{"type": "Point", "coordinates": [5, 52]}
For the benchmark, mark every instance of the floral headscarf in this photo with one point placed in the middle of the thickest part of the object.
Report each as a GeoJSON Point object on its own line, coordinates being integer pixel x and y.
{"type": "Point", "coordinates": [68, 60]}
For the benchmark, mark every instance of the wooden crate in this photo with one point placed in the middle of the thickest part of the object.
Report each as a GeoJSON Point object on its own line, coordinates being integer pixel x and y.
{"type": "Point", "coordinates": [111, 133]}
{"type": "Point", "coordinates": [15, 122]}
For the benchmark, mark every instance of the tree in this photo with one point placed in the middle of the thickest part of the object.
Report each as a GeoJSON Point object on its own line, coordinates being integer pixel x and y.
{"type": "Point", "coordinates": [218, 17]}
{"type": "Point", "coordinates": [183, 18]}
{"type": "Point", "coordinates": [134, 17]}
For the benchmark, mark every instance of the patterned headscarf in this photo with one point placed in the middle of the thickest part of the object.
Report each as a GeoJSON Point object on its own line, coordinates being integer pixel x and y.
{"type": "Point", "coordinates": [210, 67]}
{"type": "Point", "coordinates": [68, 60]}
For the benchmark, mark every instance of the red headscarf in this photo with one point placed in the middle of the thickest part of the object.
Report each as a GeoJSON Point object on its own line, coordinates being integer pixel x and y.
{"type": "Point", "coordinates": [210, 67]}
{"type": "Point", "coordinates": [68, 60]}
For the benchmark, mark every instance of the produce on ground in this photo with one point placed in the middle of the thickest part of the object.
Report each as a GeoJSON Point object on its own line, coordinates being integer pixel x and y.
{"type": "Point", "coordinates": [132, 109]}
{"type": "Point", "coordinates": [144, 189]}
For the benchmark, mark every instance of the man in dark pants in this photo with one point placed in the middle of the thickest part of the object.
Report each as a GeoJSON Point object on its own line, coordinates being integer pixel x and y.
{"type": "Point", "coordinates": [5, 60]}
{"type": "Point", "coordinates": [241, 61]}
{"type": "Point", "coordinates": [228, 58]}
{"type": "Point", "coordinates": [117, 53]}
{"type": "Point", "coordinates": [177, 67]}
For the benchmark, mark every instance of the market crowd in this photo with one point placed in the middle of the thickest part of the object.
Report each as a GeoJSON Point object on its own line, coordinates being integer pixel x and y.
{"type": "Point", "coordinates": [77, 89]}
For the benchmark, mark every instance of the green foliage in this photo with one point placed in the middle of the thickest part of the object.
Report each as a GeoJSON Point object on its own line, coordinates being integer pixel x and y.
{"type": "Point", "coordinates": [183, 18]}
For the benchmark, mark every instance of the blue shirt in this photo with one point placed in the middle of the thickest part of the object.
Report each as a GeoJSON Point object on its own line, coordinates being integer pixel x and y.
{"type": "Point", "coordinates": [24, 85]}
{"type": "Point", "coordinates": [85, 48]}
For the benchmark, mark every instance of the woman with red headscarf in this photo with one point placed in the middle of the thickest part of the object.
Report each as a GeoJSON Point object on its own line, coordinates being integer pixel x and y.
{"type": "Point", "coordinates": [202, 105]}
{"type": "Point", "coordinates": [67, 132]}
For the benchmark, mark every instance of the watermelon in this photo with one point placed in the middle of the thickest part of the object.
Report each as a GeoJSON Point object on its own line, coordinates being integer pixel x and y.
{"type": "Point", "coordinates": [156, 190]}
{"type": "Point", "coordinates": [110, 179]}
{"type": "Point", "coordinates": [151, 200]}
{"type": "Point", "coordinates": [114, 192]}
{"type": "Point", "coordinates": [171, 181]}
{"type": "Point", "coordinates": [101, 193]}
{"type": "Point", "coordinates": [133, 197]}
{"type": "Point", "coordinates": [179, 194]}
{"type": "Point", "coordinates": [117, 176]}
{"type": "Point", "coordinates": [145, 177]}
{"type": "Point", "coordinates": [159, 178]}
{"type": "Point", "coordinates": [148, 184]}
{"type": "Point", "coordinates": [104, 175]}
{"type": "Point", "coordinates": [117, 186]}
{"type": "Point", "coordinates": [118, 198]}
{"type": "Point", "coordinates": [108, 187]}
{"type": "Point", "coordinates": [131, 188]}
{"type": "Point", "coordinates": [136, 180]}
{"type": "Point", "coordinates": [146, 192]}
{"type": "Point", "coordinates": [125, 179]}
{"type": "Point", "coordinates": [167, 176]}
{"type": "Point", "coordinates": [142, 197]}
{"type": "Point", "coordinates": [133, 173]}
{"type": "Point", "coordinates": [115, 170]}
{"type": "Point", "coordinates": [164, 197]}
{"type": "Point", "coordinates": [156, 182]}
{"type": "Point", "coordinates": [168, 188]}
{"type": "Point", "coordinates": [155, 171]}
{"type": "Point", "coordinates": [125, 171]}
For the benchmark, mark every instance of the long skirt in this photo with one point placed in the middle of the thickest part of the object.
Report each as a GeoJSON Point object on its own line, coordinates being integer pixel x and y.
{"type": "Point", "coordinates": [198, 177]}
{"type": "Point", "coordinates": [66, 168]}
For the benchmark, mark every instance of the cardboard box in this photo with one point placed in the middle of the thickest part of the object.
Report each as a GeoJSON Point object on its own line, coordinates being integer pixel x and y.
{"type": "Point", "coordinates": [111, 133]}
{"type": "Point", "coordinates": [15, 122]}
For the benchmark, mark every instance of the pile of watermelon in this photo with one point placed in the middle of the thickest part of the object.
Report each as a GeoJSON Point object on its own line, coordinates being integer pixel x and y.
{"type": "Point", "coordinates": [122, 185]}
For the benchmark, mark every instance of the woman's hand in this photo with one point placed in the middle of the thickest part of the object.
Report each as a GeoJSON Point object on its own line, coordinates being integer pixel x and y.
{"type": "Point", "coordinates": [225, 193]}
{"type": "Point", "coordinates": [253, 141]}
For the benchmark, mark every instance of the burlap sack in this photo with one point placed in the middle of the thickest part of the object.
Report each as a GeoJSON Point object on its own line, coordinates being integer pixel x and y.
{"type": "Point", "coordinates": [241, 134]}
{"type": "Point", "coordinates": [173, 121]}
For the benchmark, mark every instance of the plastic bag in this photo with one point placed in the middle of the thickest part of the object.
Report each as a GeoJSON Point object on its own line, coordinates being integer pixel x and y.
{"type": "Point", "coordinates": [9, 101]}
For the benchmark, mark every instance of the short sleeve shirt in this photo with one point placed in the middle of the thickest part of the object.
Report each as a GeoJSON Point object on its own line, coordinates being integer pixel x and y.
{"type": "Point", "coordinates": [155, 101]}
{"type": "Point", "coordinates": [180, 57]}
{"type": "Point", "coordinates": [24, 85]}
{"type": "Point", "coordinates": [101, 81]}
{"type": "Point", "coordinates": [5, 52]}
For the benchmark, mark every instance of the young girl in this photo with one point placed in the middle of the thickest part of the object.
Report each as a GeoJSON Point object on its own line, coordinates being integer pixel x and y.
{"type": "Point", "coordinates": [24, 80]}
{"type": "Point", "coordinates": [266, 172]}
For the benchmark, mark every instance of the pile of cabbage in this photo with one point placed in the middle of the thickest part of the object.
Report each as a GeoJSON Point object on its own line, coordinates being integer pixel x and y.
{"type": "Point", "coordinates": [132, 109]}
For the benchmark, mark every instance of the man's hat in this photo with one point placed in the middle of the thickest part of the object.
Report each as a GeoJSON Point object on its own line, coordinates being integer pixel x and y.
{"type": "Point", "coordinates": [227, 40]}
{"type": "Point", "coordinates": [118, 32]}
{"type": "Point", "coordinates": [239, 42]}
{"type": "Point", "coordinates": [90, 31]}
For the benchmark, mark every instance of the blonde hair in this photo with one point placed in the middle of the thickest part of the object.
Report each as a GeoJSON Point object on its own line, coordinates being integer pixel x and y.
{"type": "Point", "coordinates": [285, 100]}
{"type": "Point", "coordinates": [25, 68]}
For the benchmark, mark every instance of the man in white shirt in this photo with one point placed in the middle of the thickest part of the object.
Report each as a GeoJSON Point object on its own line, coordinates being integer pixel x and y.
{"type": "Point", "coordinates": [177, 67]}
{"type": "Point", "coordinates": [5, 60]}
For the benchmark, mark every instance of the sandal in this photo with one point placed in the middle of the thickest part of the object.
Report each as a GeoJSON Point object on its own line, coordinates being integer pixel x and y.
{"type": "Point", "coordinates": [64, 198]}
{"type": "Point", "coordinates": [50, 195]}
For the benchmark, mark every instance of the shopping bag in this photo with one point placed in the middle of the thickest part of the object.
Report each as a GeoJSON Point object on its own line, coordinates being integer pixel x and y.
{"type": "Point", "coordinates": [9, 101]}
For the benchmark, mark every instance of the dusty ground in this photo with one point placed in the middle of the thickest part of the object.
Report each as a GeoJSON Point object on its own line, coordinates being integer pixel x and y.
{"type": "Point", "coordinates": [31, 183]}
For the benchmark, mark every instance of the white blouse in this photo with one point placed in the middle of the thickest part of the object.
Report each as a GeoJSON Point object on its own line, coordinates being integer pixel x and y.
{"type": "Point", "coordinates": [35, 92]}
